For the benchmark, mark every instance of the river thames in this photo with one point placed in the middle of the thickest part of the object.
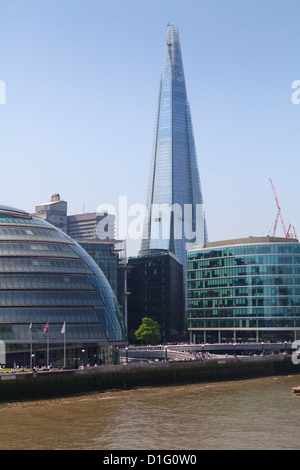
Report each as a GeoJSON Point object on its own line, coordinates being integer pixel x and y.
{"type": "Point", "coordinates": [250, 414]}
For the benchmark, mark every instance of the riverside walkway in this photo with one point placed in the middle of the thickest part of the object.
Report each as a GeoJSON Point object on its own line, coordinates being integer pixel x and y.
{"type": "Point", "coordinates": [188, 351]}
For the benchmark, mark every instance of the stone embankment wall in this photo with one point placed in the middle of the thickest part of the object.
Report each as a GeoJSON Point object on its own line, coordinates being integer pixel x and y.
{"type": "Point", "coordinates": [55, 384]}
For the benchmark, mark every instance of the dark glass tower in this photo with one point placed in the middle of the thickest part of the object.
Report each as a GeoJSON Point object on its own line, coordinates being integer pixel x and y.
{"type": "Point", "coordinates": [175, 218]}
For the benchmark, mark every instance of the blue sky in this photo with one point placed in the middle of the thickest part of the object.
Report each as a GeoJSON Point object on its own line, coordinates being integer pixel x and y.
{"type": "Point", "coordinates": [82, 79]}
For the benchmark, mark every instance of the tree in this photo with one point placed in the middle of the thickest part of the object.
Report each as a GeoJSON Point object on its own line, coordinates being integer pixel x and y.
{"type": "Point", "coordinates": [148, 332]}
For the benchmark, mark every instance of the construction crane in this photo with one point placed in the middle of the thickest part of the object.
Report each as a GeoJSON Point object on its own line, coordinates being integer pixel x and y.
{"type": "Point", "coordinates": [290, 232]}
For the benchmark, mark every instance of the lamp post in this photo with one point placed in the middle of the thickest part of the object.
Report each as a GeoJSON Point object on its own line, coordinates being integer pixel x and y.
{"type": "Point", "coordinates": [126, 267]}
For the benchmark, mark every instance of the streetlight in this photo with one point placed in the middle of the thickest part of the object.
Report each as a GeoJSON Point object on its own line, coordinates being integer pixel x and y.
{"type": "Point", "coordinates": [32, 361]}
{"type": "Point", "coordinates": [126, 267]}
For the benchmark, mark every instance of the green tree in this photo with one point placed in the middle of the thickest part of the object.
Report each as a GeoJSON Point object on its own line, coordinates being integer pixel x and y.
{"type": "Point", "coordinates": [148, 332]}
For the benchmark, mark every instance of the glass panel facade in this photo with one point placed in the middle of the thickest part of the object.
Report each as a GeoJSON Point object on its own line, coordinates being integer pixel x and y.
{"type": "Point", "coordinates": [47, 278]}
{"type": "Point", "coordinates": [78, 332]}
{"type": "Point", "coordinates": [22, 220]}
{"type": "Point", "coordinates": [46, 298]}
{"type": "Point", "coordinates": [30, 233]}
{"type": "Point", "coordinates": [174, 177]}
{"type": "Point", "coordinates": [44, 281]}
{"type": "Point", "coordinates": [39, 265]}
{"type": "Point", "coordinates": [51, 315]}
{"type": "Point", "coordinates": [156, 283]}
{"type": "Point", "coordinates": [36, 249]}
{"type": "Point", "coordinates": [245, 286]}
{"type": "Point", "coordinates": [107, 259]}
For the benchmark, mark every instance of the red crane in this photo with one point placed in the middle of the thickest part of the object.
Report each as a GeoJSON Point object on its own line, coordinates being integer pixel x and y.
{"type": "Point", "coordinates": [287, 233]}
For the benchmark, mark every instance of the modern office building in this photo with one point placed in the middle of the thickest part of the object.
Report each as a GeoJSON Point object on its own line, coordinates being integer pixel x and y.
{"type": "Point", "coordinates": [47, 282]}
{"type": "Point", "coordinates": [244, 290]}
{"type": "Point", "coordinates": [87, 225]}
{"type": "Point", "coordinates": [54, 212]}
{"type": "Point", "coordinates": [174, 198]}
{"type": "Point", "coordinates": [156, 286]}
{"type": "Point", "coordinates": [106, 256]}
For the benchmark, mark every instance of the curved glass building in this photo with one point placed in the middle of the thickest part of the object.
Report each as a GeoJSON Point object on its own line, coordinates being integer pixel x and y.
{"type": "Point", "coordinates": [56, 306]}
{"type": "Point", "coordinates": [244, 290]}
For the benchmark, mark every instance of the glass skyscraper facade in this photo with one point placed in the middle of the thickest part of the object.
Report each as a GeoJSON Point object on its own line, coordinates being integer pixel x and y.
{"type": "Point", "coordinates": [244, 290]}
{"type": "Point", "coordinates": [106, 257]}
{"type": "Point", "coordinates": [48, 278]}
{"type": "Point", "coordinates": [174, 199]}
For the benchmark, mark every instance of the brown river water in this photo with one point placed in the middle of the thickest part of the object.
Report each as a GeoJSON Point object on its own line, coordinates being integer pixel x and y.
{"type": "Point", "coordinates": [249, 414]}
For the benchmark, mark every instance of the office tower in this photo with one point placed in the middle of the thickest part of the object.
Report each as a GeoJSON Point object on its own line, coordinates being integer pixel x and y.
{"type": "Point", "coordinates": [54, 212]}
{"type": "Point", "coordinates": [175, 219]}
{"type": "Point", "coordinates": [156, 287]}
{"type": "Point", "coordinates": [106, 256]}
{"type": "Point", "coordinates": [244, 290]}
{"type": "Point", "coordinates": [87, 226]}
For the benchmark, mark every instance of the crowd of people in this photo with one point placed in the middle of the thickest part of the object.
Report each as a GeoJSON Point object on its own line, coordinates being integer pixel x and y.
{"type": "Point", "coordinates": [16, 369]}
{"type": "Point", "coordinates": [198, 356]}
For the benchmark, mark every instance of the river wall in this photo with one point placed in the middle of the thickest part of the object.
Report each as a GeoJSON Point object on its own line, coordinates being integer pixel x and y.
{"type": "Point", "coordinates": [57, 384]}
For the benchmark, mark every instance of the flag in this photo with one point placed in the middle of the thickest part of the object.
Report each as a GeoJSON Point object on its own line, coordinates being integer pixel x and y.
{"type": "Point", "coordinates": [30, 327]}
{"type": "Point", "coordinates": [45, 328]}
{"type": "Point", "coordinates": [63, 330]}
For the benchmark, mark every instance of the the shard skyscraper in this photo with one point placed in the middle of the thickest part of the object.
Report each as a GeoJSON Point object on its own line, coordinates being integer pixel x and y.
{"type": "Point", "coordinates": [175, 218]}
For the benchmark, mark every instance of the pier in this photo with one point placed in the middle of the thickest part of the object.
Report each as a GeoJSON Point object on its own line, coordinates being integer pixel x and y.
{"type": "Point", "coordinates": [186, 351]}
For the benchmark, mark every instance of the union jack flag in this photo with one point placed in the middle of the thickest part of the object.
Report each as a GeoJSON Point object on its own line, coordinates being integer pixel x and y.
{"type": "Point", "coordinates": [45, 328]}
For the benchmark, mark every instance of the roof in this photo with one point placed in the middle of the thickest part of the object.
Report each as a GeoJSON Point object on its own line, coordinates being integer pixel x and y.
{"type": "Point", "coordinates": [243, 241]}
{"type": "Point", "coordinates": [11, 209]}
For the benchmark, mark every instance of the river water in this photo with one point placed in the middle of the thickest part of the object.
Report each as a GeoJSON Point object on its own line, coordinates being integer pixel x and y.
{"type": "Point", "coordinates": [249, 414]}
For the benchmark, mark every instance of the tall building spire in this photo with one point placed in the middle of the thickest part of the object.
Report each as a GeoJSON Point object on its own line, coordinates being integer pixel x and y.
{"type": "Point", "coordinates": [175, 215]}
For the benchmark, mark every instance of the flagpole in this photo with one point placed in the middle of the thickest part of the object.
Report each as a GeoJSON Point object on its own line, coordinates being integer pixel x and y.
{"type": "Point", "coordinates": [46, 331]}
{"type": "Point", "coordinates": [65, 347]}
{"type": "Point", "coordinates": [48, 337]}
{"type": "Point", "coordinates": [30, 328]}
{"type": "Point", "coordinates": [63, 332]}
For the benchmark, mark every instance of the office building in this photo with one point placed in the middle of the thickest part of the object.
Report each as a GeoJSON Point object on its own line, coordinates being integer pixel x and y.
{"type": "Point", "coordinates": [174, 199]}
{"type": "Point", "coordinates": [106, 256]}
{"type": "Point", "coordinates": [244, 290]}
{"type": "Point", "coordinates": [156, 290]}
{"type": "Point", "coordinates": [88, 225]}
{"type": "Point", "coordinates": [54, 212]}
{"type": "Point", "coordinates": [48, 281]}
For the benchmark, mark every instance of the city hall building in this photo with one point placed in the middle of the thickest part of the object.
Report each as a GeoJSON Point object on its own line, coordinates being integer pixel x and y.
{"type": "Point", "coordinates": [244, 290]}
{"type": "Point", "coordinates": [56, 305]}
